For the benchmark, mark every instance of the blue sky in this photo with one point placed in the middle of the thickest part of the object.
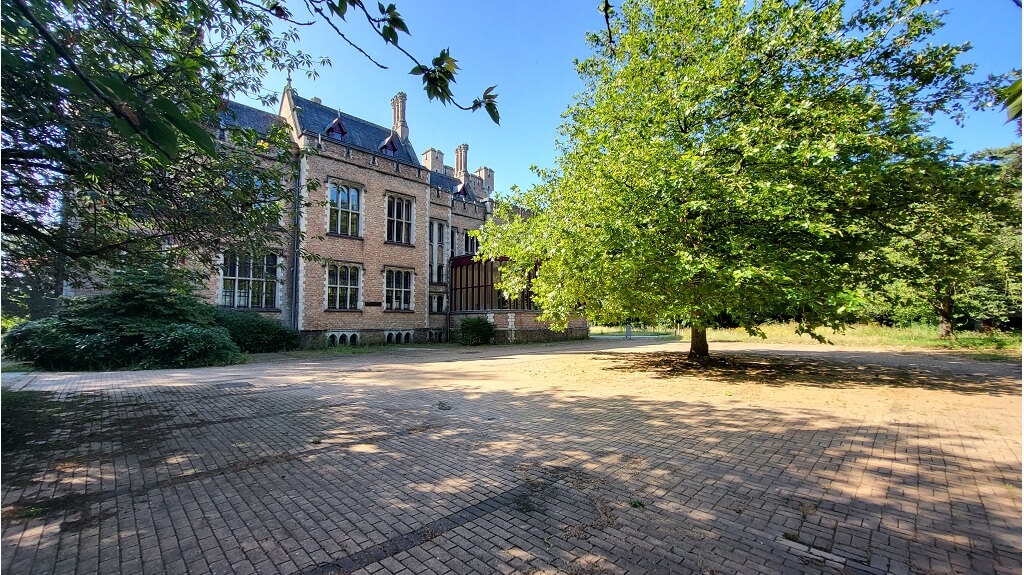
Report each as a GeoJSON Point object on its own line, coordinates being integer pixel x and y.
{"type": "Point", "coordinates": [527, 48]}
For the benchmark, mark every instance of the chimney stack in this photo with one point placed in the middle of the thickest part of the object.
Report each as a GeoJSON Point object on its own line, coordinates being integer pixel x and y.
{"type": "Point", "coordinates": [461, 153]}
{"type": "Point", "coordinates": [398, 116]}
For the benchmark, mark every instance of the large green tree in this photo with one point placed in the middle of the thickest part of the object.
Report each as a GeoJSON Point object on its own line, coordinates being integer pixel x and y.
{"type": "Point", "coordinates": [732, 159]}
{"type": "Point", "coordinates": [110, 112]}
{"type": "Point", "coordinates": [957, 250]}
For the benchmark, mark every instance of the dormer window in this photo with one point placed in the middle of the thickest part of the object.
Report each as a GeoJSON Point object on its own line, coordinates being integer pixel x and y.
{"type": "Point", "coordinates": [337, 129]}
{"type": "Point", "coordinates": [390, 146]}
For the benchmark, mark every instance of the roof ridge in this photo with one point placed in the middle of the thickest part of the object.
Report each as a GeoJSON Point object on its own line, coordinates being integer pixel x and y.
{"type": "Point", "coordinates": [345, 114]}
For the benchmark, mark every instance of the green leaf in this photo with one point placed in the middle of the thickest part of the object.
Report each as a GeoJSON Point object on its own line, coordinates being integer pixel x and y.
{"type": "Point", "coordinates": [492, 111]}
{"type": "Point", "coordinates": [194, 132]}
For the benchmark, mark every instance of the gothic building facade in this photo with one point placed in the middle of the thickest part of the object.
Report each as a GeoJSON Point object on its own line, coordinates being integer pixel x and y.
{"type": "Point", "coordinates": [391, 232]}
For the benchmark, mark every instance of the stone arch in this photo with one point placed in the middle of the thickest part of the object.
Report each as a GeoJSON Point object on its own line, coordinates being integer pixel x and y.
{"type": "Point", "coordinates": [332, 340]}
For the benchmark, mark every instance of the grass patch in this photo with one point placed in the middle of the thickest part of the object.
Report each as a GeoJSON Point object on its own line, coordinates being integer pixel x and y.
{"type": "Point", "coordinates": [995, 345]}
{"type": "Point", "coordinates": [16, 367]}
{"type": "Point", "coordinates": [618, 330]}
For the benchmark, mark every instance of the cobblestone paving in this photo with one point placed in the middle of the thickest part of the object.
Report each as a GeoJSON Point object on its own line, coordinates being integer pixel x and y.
{"type": "Point", "coordinates": [587, 457]}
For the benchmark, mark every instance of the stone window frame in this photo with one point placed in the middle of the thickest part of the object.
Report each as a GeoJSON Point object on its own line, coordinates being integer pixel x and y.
{"type": "Point", "coordinates": [399, 286]}
{"type": "Point", "coordinates": [335, 212]}
{"type": "Point", "coordinates": [333, 301]}
{"type": "Point", "coordinates": [400, 212]}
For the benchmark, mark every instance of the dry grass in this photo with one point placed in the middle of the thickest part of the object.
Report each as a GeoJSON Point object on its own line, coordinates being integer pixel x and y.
{"type": "Point", "coordinates": [992, 345]}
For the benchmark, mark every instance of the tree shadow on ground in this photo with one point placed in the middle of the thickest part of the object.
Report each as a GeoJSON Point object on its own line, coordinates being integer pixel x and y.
{"type": "Point", "coordinates": [831, 372]}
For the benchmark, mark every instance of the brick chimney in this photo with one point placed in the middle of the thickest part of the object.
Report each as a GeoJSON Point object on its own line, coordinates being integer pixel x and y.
{"type": "Point", "coordinates": [398, 116]}
{"type": "Point", "coordinates": [461, 154]}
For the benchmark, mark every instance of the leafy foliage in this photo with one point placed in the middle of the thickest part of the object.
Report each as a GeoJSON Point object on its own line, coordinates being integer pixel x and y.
{"type": "Point", "coordinates": [957, 252]}
{"type": "Point", "coordinates": [733, 159]}
{"type": "Point", "coordinates": [149, 319]}
{"type": "Point", "coordinates": [108, 155]}
{"type": "Point", "coordinates": [254, 333]}
{"type": "Point", "coordinates": [476, 331]}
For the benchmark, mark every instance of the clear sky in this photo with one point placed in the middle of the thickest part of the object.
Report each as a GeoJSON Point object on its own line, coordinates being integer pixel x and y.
{"type": "Point", "coordinates": [527, 49]}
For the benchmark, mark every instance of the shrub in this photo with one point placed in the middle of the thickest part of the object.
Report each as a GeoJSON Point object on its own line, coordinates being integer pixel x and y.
{"type": "Point", "coordinates": [253, 333]}
{"type": "Point", "coordinates": [149, 318]}
{"type": "Point", "coordinates": [43, 342]}
{"type": "Point", "coordinates": [190, 345]}
{"type": "Point", "coordinates": [476, 331]}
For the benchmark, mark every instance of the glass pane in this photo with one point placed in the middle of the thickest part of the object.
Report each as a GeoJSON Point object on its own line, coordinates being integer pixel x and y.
{"type": "Point", "coordinates": [391, 207]}
{"type": "Point", "coordinates": [244, 267]}
{"type": "Point", "coordinates": [332, 226]}
{"type": "Point", "coordinates": [389, 279]}
{"type": "Point", "coordinates": [231, 267]}
{"type": "Point", "coordinates": [353, 228]}
{"type": "Point", "coordinates": [387, 300]}
{"type": "Point", "coordinates": [391, 230]}
{"type": "Point", "coordinates": [334, 194]}
{"type": "Point", "coordinates": [353, 277]}
{"type": "Point", "coordinates": [408, 280]}
{"type": "Point", "coordinates": [332, 297]}
{"type": "Point", "coordinates": [228, 293]}
{"type": "Point", "coordinates": [353, 200]}
{"type": "Point", "coordinates": [271, 292]}
{"type": "Point", "coordinates": [407, 238]}
{"type": "Point", "coordinates": [406, 298]}
{"type": "Point", "coordinates": [332, 275]}
{"type": "Point", "coordinates": [342, 195]}
{"type": "Point", "coordinates": [242, 293]}
{"type": "Point", "coordinates": [343, 275]}
{"type": "Point", "coordinates": [353, 298]}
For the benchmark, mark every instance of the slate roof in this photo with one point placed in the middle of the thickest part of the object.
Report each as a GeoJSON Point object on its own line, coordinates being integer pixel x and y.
{"type": "Point", "coordinates": [444, 181]}
{"type": "Point", "coordinates": [316, 118]}
{"type": "Point", "coordinates": [241, 116]}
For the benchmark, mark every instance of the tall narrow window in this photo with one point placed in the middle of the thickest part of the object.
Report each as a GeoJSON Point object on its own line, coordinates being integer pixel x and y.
{"type": "Point", "coordinates": [470, 243]}
{"type": "Point", "coordinates": [399, 220]}
{"type": "Point", "coordinates": [455, 242]}
{"type": "Point", "coordinates": [249, 282]}
{"type": "Point", "coordinates": [397, 290]}
{"type": "Point", "coordinates": [342, 286]}
{"type": "Point", "coordinates": [344, 210]}
{"type": "Point", "coordinates": [437, 252]}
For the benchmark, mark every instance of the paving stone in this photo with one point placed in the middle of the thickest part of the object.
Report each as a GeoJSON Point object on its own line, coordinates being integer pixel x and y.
{"type": "Point", "coordinates": [534, 467]}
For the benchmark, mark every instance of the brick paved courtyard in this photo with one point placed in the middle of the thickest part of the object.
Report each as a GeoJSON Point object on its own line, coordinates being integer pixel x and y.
{"type": "Point", "coordinates": [603, 456]}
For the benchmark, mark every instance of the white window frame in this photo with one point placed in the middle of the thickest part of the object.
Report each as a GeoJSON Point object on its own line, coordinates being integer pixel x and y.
{"type": "Point", "coordinates": [335, 212]}
{"type": "Point", "coordinates": [400, 215]}
{"type": "Point", "coordinates": [341, 297]}
{"type": "Point", "coordinates": [399, 287]}
{"type": "Point", "coordinates": [243, 281]}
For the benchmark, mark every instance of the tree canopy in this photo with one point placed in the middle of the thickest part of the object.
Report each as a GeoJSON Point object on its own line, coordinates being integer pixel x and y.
{"type": "Point", "coordinates": [734, 159]}
{"type": "Point", "coordinates": [111, 111]}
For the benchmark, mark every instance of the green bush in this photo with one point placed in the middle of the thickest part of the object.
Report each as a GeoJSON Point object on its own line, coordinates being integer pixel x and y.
{"type": "Point", "coordinates": [254, 333]}
{"type": "Point", "coordinates": [476, 331]}
{"type": "Point", "coordinates": [190, 345]}
{"type": "Point", "coordinates": [149, 318]}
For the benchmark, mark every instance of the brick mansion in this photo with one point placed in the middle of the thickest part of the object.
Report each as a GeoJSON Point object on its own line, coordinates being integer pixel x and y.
{"type": "Point", "coordinates": [391, 232]}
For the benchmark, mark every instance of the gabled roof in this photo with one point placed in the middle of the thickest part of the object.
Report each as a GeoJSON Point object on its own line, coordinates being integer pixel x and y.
{"type": "Point", "coordinates": [317, 118]}
{"type": "Point", "coordinates": [466, 194]}
{"type": "Point", "coordinates": [236, 115]}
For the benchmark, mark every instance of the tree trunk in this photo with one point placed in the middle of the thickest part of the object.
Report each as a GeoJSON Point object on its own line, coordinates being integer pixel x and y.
{"type": "Point", "coordinates": [945, 316]}
{"type": "Point", "coordinates": [698, 343]}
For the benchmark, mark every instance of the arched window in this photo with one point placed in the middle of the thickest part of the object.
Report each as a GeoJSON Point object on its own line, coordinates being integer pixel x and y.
{"type": "Point", "coordinates": [342, 286]}
{"type": "Point", "coordinates": [397, 290]}
{"type": "Point", "coordinates": [343, 210]}
{"type": "Point", "coordinates": [332, 341]}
